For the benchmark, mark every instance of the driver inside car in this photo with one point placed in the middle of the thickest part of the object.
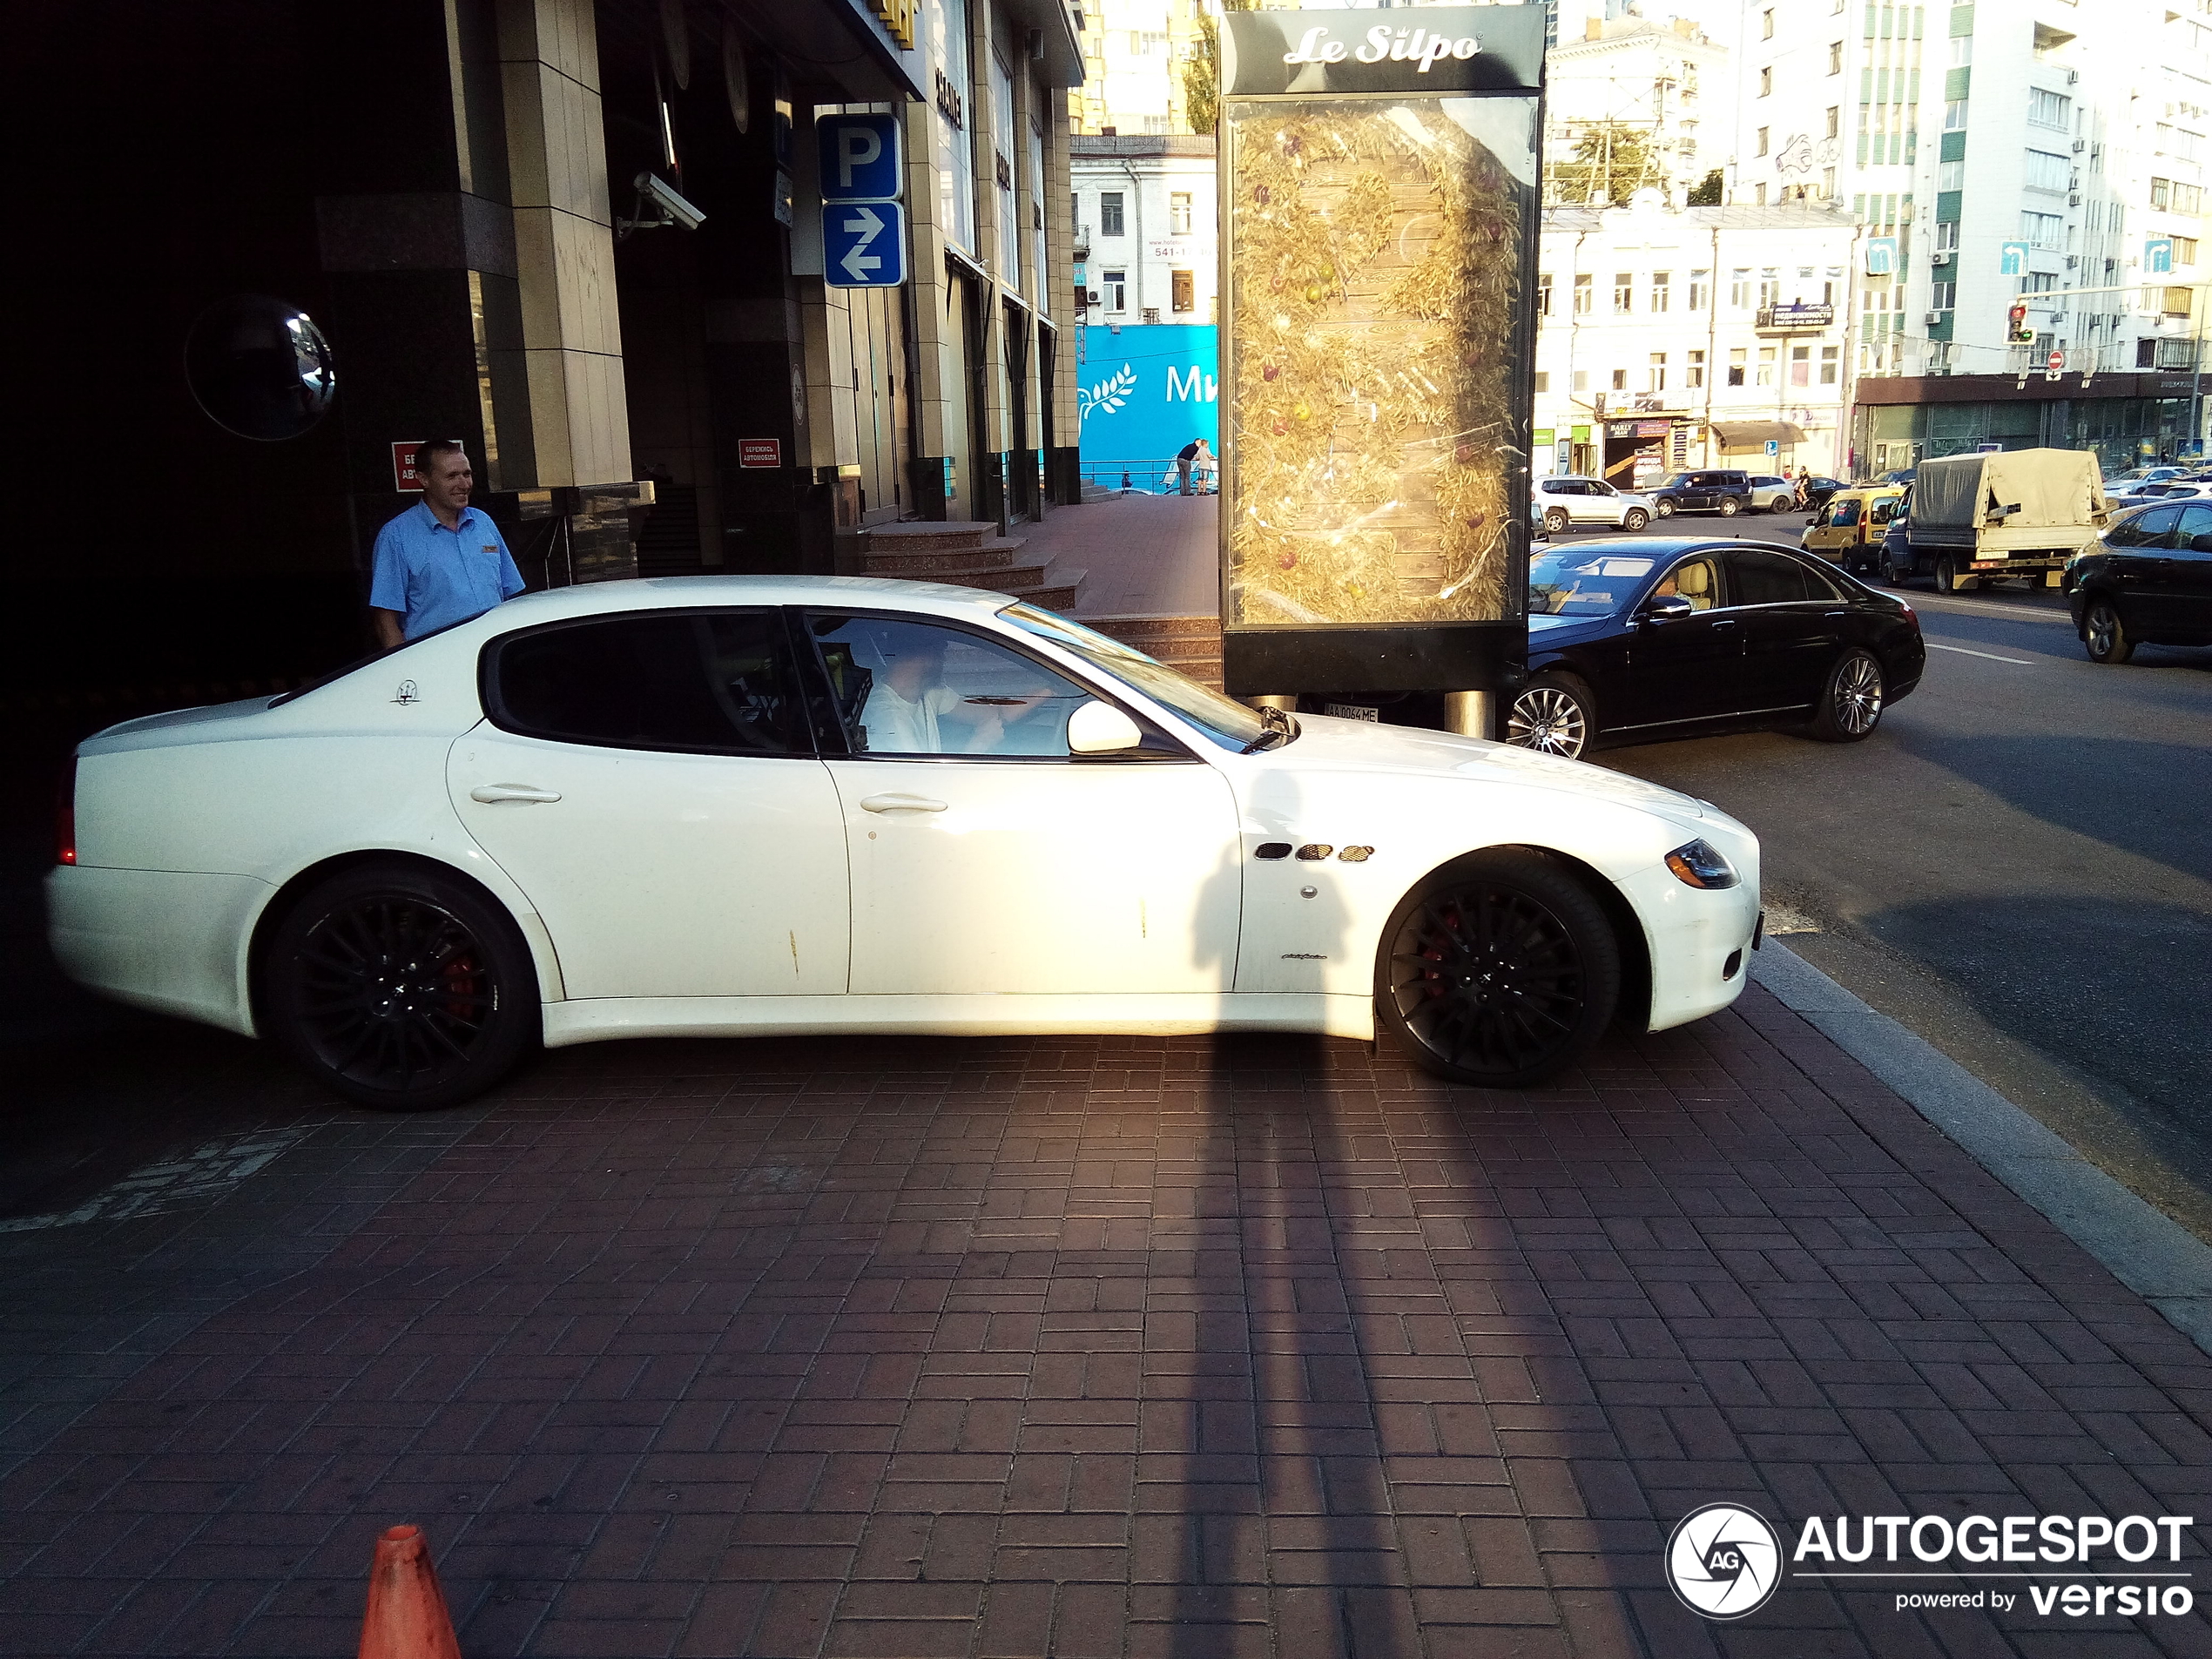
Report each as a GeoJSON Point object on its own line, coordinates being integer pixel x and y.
{"type": "Point", "coordinates": [912, 709]}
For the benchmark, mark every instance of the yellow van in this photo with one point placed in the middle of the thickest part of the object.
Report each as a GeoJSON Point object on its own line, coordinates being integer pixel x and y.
{"type": "Point", "coordinates": [1847, 530]}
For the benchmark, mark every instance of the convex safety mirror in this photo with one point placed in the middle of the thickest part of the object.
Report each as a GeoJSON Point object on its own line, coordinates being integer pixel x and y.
{"type": "Point", "coordinates": [1100, 729]}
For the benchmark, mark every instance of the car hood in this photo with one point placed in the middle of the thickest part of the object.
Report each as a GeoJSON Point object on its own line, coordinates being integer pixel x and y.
{"type": "Point", "coordinates": [1555, 632]}
{"type": "Point", "coordinates": [1342, 745]}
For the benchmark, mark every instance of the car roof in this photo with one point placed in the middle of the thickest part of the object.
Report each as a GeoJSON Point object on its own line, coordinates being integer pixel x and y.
{"type": "Point", "coordinates": [653, 593]}
{"type": "Point", "coordinates": [1668, 546]}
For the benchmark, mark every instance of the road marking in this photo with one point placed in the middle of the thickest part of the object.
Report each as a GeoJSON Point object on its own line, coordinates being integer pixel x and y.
{"type": "Point", "coordinates": [2022, 613]}
{"type": "Point", "coordinates": [198, 1177]}
{"type": "Point", "coordinates": [1989, 656]}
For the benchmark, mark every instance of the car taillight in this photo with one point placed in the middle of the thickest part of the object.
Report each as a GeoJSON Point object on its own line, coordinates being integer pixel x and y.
{"type": "Point", "coordinates": [65, 816]}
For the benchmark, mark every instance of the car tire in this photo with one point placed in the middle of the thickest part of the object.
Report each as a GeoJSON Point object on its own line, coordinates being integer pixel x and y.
{"type": "Point", "coordinates": [2102, 634]}
{"type": "Point", "coordinates": [1666, 509]}
{"type": "Point", "coordinates": [1555, 714]}
{"type": "Point", "coordinates": [1731, 507]}
{"type": "Point", "coordinates": [401, 988]}
{"type": "Point", "coordinates": [1851, 699]}
{"type": "Point", "coordinates": [1634, 519]}
{"type": "Point", "coordinates": [1554, 520]}
{"type": "Point", "coordinates": [1499, 970]}
{"type": "Point", "coordinates": [1891, 576]}
{"type": "Point", "coordinates": [1945, 575]}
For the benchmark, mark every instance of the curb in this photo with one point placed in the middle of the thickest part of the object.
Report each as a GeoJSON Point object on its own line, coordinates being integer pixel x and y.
{"type": "Point", "coordinates": [2147, 1250]}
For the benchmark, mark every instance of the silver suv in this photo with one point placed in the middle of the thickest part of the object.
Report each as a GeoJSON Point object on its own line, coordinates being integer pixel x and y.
{"type": "Point", "coordinates": [1772, 495]}
{"type": "Point", "coordinates": [1561, 501]}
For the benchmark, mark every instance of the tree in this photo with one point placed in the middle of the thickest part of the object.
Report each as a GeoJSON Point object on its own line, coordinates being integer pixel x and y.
{"type": "Point", "coordinates": [1202, 78]}
{"type": "Point", "coordinates": [1613, 160]}
{"type": "Point", "coordinates": [1706, 193]}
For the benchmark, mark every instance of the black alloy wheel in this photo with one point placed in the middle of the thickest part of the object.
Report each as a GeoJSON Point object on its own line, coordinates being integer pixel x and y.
{"type": "Point", "coordinates": [1499, 971]}
{"type": "Point", "coordinates": [1850, 702]}
{"type": "Point", "coordinates": [1729, 507]}
{"type": "Point", "coordinates": [1554, 715]}
{"type": "Point", "coordinates": [402, 989]}
{"type": "Point", "coordinates": [2103, 636]}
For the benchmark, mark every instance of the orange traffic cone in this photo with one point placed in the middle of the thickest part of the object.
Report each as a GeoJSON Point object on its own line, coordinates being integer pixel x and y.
{"type": "Point", "coordinates": [407, 1616]}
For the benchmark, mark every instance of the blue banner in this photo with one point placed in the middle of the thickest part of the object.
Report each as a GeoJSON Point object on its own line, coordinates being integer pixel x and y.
{"type": "Point", "coordinates": [1145, 390]}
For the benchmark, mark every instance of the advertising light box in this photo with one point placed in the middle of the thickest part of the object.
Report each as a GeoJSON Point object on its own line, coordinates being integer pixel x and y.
{"type": "Point", "coordinates": [1380, 208]}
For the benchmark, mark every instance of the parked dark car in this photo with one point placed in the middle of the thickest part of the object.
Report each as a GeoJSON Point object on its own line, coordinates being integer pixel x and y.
{"type": "Point", "coordinates": [1724, 491]}
{"type": "Point", "coordinates": [2148, 582]}
{"type": "Point", "coordinates": [1634, 640]}
{"type": "Point", "coordinates": [1819, 490]}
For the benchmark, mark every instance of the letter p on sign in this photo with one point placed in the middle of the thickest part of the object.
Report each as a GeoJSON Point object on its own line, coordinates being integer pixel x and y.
{"type": "Point", "coordinates": [860, 159]}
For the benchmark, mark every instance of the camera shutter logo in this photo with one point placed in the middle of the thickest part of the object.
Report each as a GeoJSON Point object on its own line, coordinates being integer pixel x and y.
{"type": "Point", "coordinates": [1723, 1561]}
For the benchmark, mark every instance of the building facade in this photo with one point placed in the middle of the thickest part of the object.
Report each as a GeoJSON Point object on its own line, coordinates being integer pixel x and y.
{"type": "Point", "coordinates": [1670, 338]}
{"type": "Point", "coordinates": [1145, 229]}
{"type": "Point", "coordinates": [1134, 53]}
{"type": "Point", "coordinates": [1666, 83]}
{"type": "Point", "coordinates": [441, 202]}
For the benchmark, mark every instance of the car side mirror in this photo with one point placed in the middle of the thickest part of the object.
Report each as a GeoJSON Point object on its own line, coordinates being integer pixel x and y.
{"type": "Point", "coordinates": [1815, 519]}
{"type": "Point", "coordinates": [1101, 729]}
{"type": "Point", "coordinates": [1669, 607]}
{"type": "Point", "coordinates": [2201, 543]}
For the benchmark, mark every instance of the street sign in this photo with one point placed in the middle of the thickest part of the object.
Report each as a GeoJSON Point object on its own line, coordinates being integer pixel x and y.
{"type": "Point", "coordinates": [1881, 256]}
{"type": "Point", "coordinates": [2158, 256]}
{"type": "Point", "coordinates": [2011, 258]}
{"type": "Point", "coordinates": [2057, 362]}
{"type": "Point", "coordinates": [1773, 447]}
{"type": "Point", "coordinates": [860, 159]}
{"type": "Point", "coordinates": [760, 452]}
{"type": "Point", "coordinates": [864, 244]}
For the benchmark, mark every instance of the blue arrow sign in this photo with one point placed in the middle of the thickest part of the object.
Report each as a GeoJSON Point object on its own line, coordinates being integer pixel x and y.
{"type": "Point", "coordinates": [2158, 256]}
{"type": "Point", "coordinates": [860, 158]}
{"type": "Point", "coordinates": [864, 244]}
{"type": "Point", "coordinates": [1881, 256]}
{"type": "Point", "coordinates": [2011, 258]}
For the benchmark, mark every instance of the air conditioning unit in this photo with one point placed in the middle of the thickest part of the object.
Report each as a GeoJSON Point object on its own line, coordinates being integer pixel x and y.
{"type": "Point", "coordinates": [1941, 256]}
{"type": "Point", "coordinates": [2080, 145]}
{"type": "Point", "coordinates": [2074, 198]}
{"type": "Point", "coordinates": [2072, 260]}
{"type": "Point", "coordinates": [2073, 75]}
{"type": "Point", "coordinates": [1933, 318]}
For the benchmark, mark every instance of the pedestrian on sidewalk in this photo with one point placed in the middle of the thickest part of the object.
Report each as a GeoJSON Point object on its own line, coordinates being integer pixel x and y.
{"type": "Point", "coordinates": [1185, 458]}
{"type": "Point", "coordinates": [442, 561]}
{"type": "Point", "coordinates": [1203, 469]}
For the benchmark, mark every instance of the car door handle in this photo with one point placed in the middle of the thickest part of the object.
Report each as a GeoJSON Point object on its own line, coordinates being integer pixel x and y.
{"type": "Point", "coordinates": [1726, 622]}
{"type": "Point", "coordinates": [490, 794]}
{"type": "Point", "coordinates": [900, 804]}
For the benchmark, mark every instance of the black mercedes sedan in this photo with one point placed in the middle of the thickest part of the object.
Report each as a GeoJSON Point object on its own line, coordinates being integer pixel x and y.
{"type": "Point", "coordinates": [2146, 581]}
{"type": "Point", "coordinates": [1639, 639]}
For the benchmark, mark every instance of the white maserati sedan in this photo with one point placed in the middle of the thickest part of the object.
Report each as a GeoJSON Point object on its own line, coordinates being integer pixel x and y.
{"type": "Point", "coordinates": [755, 805]}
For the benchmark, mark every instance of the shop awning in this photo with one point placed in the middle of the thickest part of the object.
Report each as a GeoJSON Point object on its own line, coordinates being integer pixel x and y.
{"type": "Point", "coordinates": [1753, 435]}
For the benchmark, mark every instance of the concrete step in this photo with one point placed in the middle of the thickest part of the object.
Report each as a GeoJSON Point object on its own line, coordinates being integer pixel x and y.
{"type": "Point", "coordinates": [927, 536]}
{"type": "Point", "coordinates": [899, 556]}
{"type": "Point", "coordinates": [1190, 644]}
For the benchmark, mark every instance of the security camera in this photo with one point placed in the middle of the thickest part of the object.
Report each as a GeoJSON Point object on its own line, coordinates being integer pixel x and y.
{"type": "Point", "coordinates": [672, 208]}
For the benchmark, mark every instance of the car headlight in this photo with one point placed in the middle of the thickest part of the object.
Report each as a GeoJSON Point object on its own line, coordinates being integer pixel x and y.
{"type": "Point", "coordinates": [1700, 864]}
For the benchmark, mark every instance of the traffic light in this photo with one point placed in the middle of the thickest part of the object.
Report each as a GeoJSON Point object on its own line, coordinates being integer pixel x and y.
{"type": "Point", "coordinates": [2018, 330]}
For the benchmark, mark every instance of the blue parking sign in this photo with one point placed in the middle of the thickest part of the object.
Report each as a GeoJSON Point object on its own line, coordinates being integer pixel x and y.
{"type": "Point", "coordinates": [864, 244]}
{"type": "Point", "coordinates": [860, 158]}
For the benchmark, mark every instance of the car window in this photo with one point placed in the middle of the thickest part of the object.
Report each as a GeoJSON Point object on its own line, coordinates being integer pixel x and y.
{"type": "Point", "coordinates": [703, 682]}
{"type": "Point", "coordinates": [2148, 527]}
{"type": "Point", "coordinates": [1763, 578]}
{"type": "Point", "coordinates": [1696, 579]}
{"type": "Point", "coordinates": [1818, 583]}
{"type": "Point", "coordinates": [905, 685]}
{"type": "Point", "coordinates": [1573, 584]}
{"type": "Point", "coordinates": [1598, 487]}
{"type": "Point", "coordinates": [1224, 720]}
{"type": "Point", "coordinates": [1843, 514]}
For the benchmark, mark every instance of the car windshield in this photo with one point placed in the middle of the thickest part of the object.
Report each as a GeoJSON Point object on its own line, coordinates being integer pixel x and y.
{"type": "Point", "coordinates": [1680, 480]}
{"type": "Point", "coordinates": [1224, 720]}
{"type": "Point", "coordinates": [1582, 584]}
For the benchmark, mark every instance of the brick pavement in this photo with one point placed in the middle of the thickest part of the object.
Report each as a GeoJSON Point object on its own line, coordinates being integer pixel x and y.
{"type": "Point", "coordinates": [1187, 1347]}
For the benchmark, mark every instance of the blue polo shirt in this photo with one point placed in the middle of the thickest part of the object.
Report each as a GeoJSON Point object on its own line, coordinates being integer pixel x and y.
{"type": "Point", "coordinates": [436, 576]}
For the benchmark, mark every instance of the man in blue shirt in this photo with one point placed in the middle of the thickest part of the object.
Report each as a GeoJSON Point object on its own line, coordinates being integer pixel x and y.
{"type": "Point", "coordinates": [442, 561]}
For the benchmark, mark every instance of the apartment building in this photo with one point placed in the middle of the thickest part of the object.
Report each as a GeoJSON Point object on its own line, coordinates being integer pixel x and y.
{"type": "Point", "coordinates": [1670, 338]}
{"type": "Point", "coordinates": [1135, 52]}
{"type": "Point", "coordinates": [1667, 84]}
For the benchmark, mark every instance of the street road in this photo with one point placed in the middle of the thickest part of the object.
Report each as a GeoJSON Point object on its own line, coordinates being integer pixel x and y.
{"type": "Point", "coordinates": [2018, 866]}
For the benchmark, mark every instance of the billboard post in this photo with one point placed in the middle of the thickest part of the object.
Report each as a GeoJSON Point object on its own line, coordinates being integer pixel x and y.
{"type": "Point", "coordinates": [1379, 214]}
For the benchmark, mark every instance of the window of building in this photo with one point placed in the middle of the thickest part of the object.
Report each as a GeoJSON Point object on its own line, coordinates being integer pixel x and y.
{"type": "Point", "coordinates": [1800, 365]}
{"type": "Point", "coordinates": [1183, 290]}
{"type": "Point", "coordinates": [1544, 294]}
{"type": "Point", "coordinates": [1943, 295]}
{"type": "Point", "coordinates": [1656, 373]}
{"type": "Point", "coordinates": [1951, 175]}
{"type": "Point", "coordinates": [2188, 199]}
{"type": "Point", "coordinates": [1835, 58]}
{"type": "Point", "coordinates": [1582, 379]}
{"type": "Point", "coordinates": [1830, 356]}
{"type": "Point", "coordinates": [2161, 193]}
{"type": "Point", "coordinates": [1699, 281]}
{"type": "Point", "coordinates": [2047, 109]}
{"type": "Point", "coordinates": [1769, 286]}
{"type": "Point", "coordinates": [1735, 366]}
{"type": "Point", "coordinates": [1835, 120]}
{"type": "Point", "coordinates": [1582, 296]}
{"type": "Point", "coordinates": [1954, 116]}
{"type": "Point", "coordinates": [1624, 291]}
{"type": "Point", "coordinates": [1758, 145]}
{"type": "Point", "coordinates": [1114, 286]}
{"type": "Point", "coordinates": [1766, 24]}
{"type": "Point", "coordinates": [1693, 373]}
{"type": "Point", "coordinates": [2185, 250]}
{"type": "Point", "coordinates": [1178, 212]}
{"type": "Point", "coordinates": [1739, 288]}
{"type": "Point", "coordinates": [1947, 235]}
{"type": "Point", "coordinates": [2046, 171]}
{"type": "Point", "coordinates": [1758, 195]}
{"type": "Point", "coordinates": [1766, 81]}
{"type": "Point", "coordinates": [1620, 379]}
{"type": "Point", "coordinates": [1962, 51]}
{"type": "Point", "coordinates": [2043, 230]}
{"type": "Point", "coordinates": [1109, 213]}
{"type": "Point", "coordinates": [1543, 382]}
{"type": "Point", "coordinates": [1766, 365]}
{"type": "Point", "coordinates": [1660, 280]}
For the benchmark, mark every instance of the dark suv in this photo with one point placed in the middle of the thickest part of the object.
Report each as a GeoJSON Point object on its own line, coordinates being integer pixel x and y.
{"type": "Point", "coordinates": [1725, 492]}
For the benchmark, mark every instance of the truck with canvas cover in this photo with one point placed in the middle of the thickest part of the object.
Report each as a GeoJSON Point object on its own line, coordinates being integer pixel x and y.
{"type": "Point", "coordinates": [1978, 518]}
